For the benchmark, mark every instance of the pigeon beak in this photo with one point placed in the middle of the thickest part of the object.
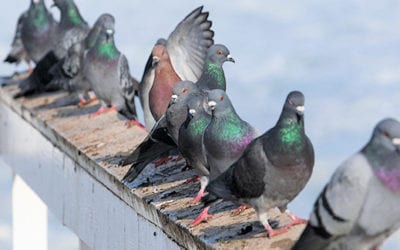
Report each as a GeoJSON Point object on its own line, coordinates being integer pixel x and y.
{"type": "Point", "coordinates": [109, 32]}
{"type": "Point", "coordinates": [174, 98]}
{"type": "Point", "coordinates": [396, 141]}
{"type": "Point", "coordinates": [192, 111]}
{"type": "Point", "coordinates": [300, 109]}
{"type": "Point", "coordinates": [230, 58]}
{"type": "Point", "coordinates": [212, 104]}
{"type": "Point", "coordinates": [154, 61]}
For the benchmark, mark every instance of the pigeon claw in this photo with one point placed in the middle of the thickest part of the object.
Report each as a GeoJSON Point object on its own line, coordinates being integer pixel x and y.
{"type": "Point", "coordinates": [203, 216]}
{"type": "Point", "coordinates": [239, 210]}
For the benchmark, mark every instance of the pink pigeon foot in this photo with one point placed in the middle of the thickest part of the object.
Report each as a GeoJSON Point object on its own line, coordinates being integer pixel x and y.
{"type": "Point", "coordinates": [83, 102]}
{"type": "Point", "coordinates": [198, 197]}
{"type": "Point", "coordinates": [239, 210]}
{"type": "Point", "coordinates": [102, 110]}
{"type": "Point", "coordinates": [275, 232]}
{"type": "Point", "coordinates": [295, 220]}
{"type": "Point", "coordinates": [203, 216]}
{"type": "Point", "coordinates": [162, 161]}
{"type": "Point", "coordinates": [193, 179]}
{"type": "Point", "coordinates": [132, 123]}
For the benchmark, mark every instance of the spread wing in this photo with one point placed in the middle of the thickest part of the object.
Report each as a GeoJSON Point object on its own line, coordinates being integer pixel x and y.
{"type": "Point", "coordinates": [188, 43]}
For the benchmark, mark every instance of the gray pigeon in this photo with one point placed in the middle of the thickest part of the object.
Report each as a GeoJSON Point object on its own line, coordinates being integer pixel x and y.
{"type": "Point", "coordinates": [38, 30]}
{"type": "Point", "coordinates": [180, 57]}
{"type": "Point", "coordinates": [18, 52]}
{"type": "Point", "coordinates": [68, 72]}
{"type": "Point", "coordinates": [107, 71]}
{"type": "Point", "coordinates": [358, 208]}
{"type": "Point", "coordinates": [213, 76]}
{"type": "Point", "coordinates": [225, 138]}
{"type": "Point", "coordinates": [190, 140]}
{"type": "Point", "coordinates": [71, 29]}
{"type": "Point", "coordinates": [163, 138]}
{"type": "Point", "coordinates": [273, 169]}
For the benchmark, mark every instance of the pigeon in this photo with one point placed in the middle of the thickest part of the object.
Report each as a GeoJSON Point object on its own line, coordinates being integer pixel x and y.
{"type": "Point", "coordinates": [18, 52]}
{"type": "Point", "coordinates": [38, 30]}
{"type": "Point", "coordinates": [68, 72]}
{"type": "Point", "coordinates": [145, 85]}
{"type": "Point", "coordinates": [224, 139]}
{"type": "Point", "coordinates": [162, 139]}
{"type": "Point", "coordinates": [191, 137]}
{"type": "Point", "coordinates": [107, 71]}
{"type": "Point", "coordinates": [71, 29]}
{"type": "Point", "coordinates": [357, 209]}
{"type": "Point", "coordinates": [180, 57]}
{"type": "Point", "coordinates": [273, 169]}
{"type": "Point", "coordinates": [34, 37]}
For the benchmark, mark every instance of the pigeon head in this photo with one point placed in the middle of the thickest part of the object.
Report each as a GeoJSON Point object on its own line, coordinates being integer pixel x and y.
{"type": "Point", "coordinates": [218, 102]}
{"type": "Point", "coordinates": [196, 105]}
{"type": "Point", "coordinates": [387, 134]}
{"type": "Point", "coordinates": [105, 19]}
{"type": "Point", "coordinates": [97, 28]}
{"type": "Point", "coordinates": [295, 101]}
{"type": "Point", "coordinates": [182, 90]}
{"type": "Point", "coordinates": [69, 13]}
{"type": "Point", "coordinates": [108, 27]}
{"type": "Point", "coordinates": [219, 53]}
{"type": "Point", "coordinates": [159, 51]}
{"type": "Point", "coordinates": [62, 4]}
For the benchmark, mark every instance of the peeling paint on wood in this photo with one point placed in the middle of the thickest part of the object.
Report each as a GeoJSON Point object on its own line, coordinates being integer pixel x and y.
{"type": "Point", "coordinates": [160, 196]}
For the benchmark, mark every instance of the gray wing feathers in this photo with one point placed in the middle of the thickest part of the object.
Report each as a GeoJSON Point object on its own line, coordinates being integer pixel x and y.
{"type": "Point", "coordinates": [127, 84]}
{"type": "Point", "coordinates": [72, 62]}
{"type": "Point", "coordinates": [338, 207]}
{"type": "Point", "coordinates": [188, 43]}
{"type": "Point", "coordinates": [68, 38]}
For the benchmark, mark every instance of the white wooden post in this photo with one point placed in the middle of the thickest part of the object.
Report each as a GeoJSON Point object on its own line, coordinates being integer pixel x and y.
{"type": "Point", "coordinates": [29, 217]}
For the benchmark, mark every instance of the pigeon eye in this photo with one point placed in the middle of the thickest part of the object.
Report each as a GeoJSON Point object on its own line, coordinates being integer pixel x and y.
{"type": "Point", "coordinates": [219, 52]}
{"type": "Point", "coordinates": [184, 91]}
{"type": "Point", "coordinates": [386, 134]}
{"type": "Point", "coordinates": [221, 98]}
{"type": "Point", "coordinates": [290, 102]}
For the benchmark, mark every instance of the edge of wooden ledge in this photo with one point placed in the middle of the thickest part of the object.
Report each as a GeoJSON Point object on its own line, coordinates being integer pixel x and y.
{"type": "Point", "coordinates": [148, 211]}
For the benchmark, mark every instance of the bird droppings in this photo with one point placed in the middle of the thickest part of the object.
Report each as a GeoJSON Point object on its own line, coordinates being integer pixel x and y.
{"type": "Point", "coordinates": [161, 191]}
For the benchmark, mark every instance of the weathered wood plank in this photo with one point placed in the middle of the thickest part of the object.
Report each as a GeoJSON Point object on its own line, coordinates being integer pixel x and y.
{"type": "Point", "coordinates": [88, 148]}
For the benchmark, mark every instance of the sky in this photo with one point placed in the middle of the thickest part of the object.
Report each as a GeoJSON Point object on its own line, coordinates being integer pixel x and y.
{"type": "Point", "coordinates": [343, 55]}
